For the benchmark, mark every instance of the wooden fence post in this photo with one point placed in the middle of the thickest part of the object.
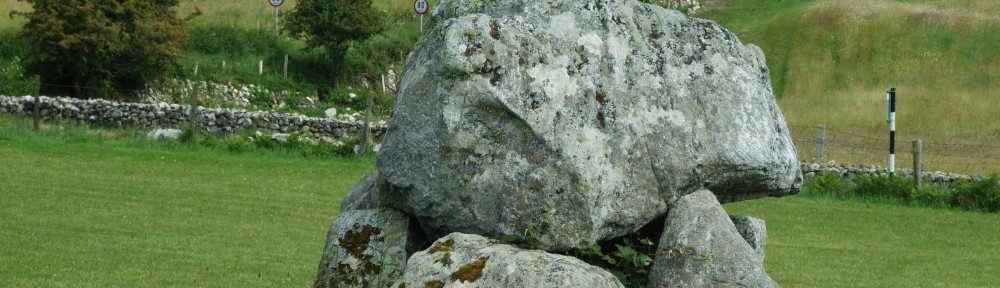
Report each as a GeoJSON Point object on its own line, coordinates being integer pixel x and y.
{"type": "Point", "coordinates": [820, 141]}
{"type": "Point", "coordinates": [918, 178]}
{"type": "Point", "coordinates": [286, 65]}
{"type": "Point", "coordinates": [37, 115]}
{"type": "Point", "coordinates": [194, 104]}
{"type": "Point", "coordinates": [368, 127]}
{"type": "Point", "coordinates": [260, 67]}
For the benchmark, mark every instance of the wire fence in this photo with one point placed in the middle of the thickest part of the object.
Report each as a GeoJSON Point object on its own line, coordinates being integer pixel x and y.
{"type": "Point", "coordinates": [940, 152]}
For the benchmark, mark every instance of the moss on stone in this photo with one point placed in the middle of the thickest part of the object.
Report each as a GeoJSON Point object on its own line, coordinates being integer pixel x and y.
{"type": "Point", "coordinates": [470, 272]}
{"type": "Point", "coordinates": [445, 260]}
{"type": "Point", "coordinates": [434, 284]}
{"type": "Point", "coordinates": [355, 241]}
{"type": "Point", "coordinates": [445, 246]}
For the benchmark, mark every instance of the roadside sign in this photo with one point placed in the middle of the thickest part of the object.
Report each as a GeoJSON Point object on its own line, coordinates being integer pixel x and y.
{"type": "Point", "coordinates": [419, 6]}
{"type": "Point", "coordinates": [276, 3]}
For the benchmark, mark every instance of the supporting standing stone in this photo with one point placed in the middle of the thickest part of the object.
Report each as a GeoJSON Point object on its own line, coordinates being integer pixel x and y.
{"type": "Point", "coordinates": [701, 247]}
{"type": "Point", "coordinates": [466, 260]}
{"type": "Point", "coordinates": [365, 248]}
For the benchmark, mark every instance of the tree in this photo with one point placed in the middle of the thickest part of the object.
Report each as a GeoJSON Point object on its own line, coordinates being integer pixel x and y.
{"type": "Point", "coordinates": [117, 45]}
{"type": "Point", "coordinates": [332, 25]}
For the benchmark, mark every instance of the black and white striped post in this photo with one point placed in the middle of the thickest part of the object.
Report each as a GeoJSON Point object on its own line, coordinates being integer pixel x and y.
{"type": "Point", "coordinates": [890, 116]}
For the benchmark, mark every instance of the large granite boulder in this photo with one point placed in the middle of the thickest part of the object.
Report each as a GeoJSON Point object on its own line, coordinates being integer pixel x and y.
{"type": "Point", "coordinates": [464, 260]}
{"type": "Point", "coordinates": [701, 247]}
{"type": "Point", "coordinates": [366, 248]}
{"type": "Point", "coordinates": [565, 122]}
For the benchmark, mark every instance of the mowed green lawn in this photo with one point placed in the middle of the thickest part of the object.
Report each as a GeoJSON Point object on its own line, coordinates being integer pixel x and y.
{"type": "Point", "coordinates": [79, 212]}
{"type": "Point", "coordinates": [814, 241]}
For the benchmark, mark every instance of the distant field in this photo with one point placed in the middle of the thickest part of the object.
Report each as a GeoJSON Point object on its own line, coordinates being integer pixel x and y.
{"type": "Point", "coordinates": [831, 62]}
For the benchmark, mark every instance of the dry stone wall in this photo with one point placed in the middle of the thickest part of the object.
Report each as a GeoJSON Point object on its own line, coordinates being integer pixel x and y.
{"type": "Point", "coordinates": [852, 171]}
{"type": "Point", "coordinates": [164, 115]}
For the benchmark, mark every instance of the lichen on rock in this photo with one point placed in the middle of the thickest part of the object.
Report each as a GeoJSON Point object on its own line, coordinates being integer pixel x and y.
{"type": "Point", "coordinates": [563, 123]}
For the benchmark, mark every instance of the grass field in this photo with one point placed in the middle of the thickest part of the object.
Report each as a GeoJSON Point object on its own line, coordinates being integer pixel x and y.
{"type": "Point", "coordinates": [97, 208]}
{"type": "Point", "coordinates": [77, 211]}
{"type": "Point", "coordinates": [822, 242]}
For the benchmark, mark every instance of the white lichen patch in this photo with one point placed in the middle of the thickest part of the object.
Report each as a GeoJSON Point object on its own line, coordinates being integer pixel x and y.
{"type": "Point", "coordinates": [563, 26]}
{"type": "Point", "coordinates": [558, 88]}
{"type": "Point", "coordinates": [593, 44]}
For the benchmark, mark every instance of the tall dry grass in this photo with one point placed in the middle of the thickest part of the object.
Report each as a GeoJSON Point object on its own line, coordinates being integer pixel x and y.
{"type": "Point", "coordinates": [6, 7]}
{"type": "Point", "coordinates": [943, 57]}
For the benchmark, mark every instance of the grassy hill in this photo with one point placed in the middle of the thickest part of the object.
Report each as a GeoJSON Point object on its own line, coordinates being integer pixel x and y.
{"type": "Point", "coordinates": [831, 62]}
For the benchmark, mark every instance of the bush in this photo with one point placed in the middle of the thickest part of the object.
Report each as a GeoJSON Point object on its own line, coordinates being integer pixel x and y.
{"type": "Point", "coordinates": [12, 81]}
{"type": "Point", "coordinates": [974, 195]}
{"type": "Point", "coordinates": [828, 184]}
{"type": "Point", "coordinates": [102, 48]}
{"type": "Point", "coordinates": [629, 258]}
{"type": "Point", "coordinates": [931, 196]}
{"type": "Point", "coordinates": [236, 42]}
{"type": "Point", "coordinates": [981, 195]}
{"type": "Point", "coordinates": [883, 187]}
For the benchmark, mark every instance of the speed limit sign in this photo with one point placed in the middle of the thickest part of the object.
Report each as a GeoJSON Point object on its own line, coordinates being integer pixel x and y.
{"type": "Point", "coordinates": [276, 3]}
{"type": "Point", "coordinates": [419, 6]}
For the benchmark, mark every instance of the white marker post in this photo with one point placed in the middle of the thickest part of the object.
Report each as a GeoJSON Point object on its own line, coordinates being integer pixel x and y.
{"type": "Point", "coordinates": [890, 117]}
{"type": "Point", "coordinates": [276, 4]}
{"type": "Point", "coordinates": [421, 7]}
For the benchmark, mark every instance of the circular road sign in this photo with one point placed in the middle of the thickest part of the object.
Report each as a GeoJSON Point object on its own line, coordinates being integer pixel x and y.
{"type": "Point", "coordinates": [276, 3]}
{"type": "Point", "coordinates": [419, 6]}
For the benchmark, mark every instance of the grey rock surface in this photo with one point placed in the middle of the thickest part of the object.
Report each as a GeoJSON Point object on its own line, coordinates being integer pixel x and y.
{"type": "Point", "coordinates": [700, 247]}
{"type": "Point", "coordinates": [753, 230]}
{"type": "Point", "coordinates": [163, 134]}
{"type": "Point", "coordinates": [565, 122]}
{"type": "Point", "coordinates": [365, 248]}
{"type": "Point", "coordinates": [465, 260]}
{"type": "Point", "coordinates": [362, 196]}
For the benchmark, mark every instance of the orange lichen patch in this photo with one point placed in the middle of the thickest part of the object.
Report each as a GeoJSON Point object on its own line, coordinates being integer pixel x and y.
{"type": "Point", "coordinates": [446, 246]}
{"type": "Point", "coordinates": [470, 272]}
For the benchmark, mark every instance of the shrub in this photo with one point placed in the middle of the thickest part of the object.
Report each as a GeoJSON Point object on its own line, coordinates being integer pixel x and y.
{"type": "Point", "coordinates": [235, 42]}
{"type": "Point", "coordinates": [111, 45]}
{"type": "Point", "coordinates": [828, 184]}
{"type": "Point", "coordinates": [974, 195]}
{"type": "Point", "coordinates": [883, 187]}
{"type": "Point", "coordinates": [982, 195]}
{"type": "Point", "coordinates": [12, 81]}
{"type": "Point", "coordinates": [931, 195]}
{"type": "Point", "coordinates": [333, 27]}
{"type": "Point", "coordinates": [629, 258]}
